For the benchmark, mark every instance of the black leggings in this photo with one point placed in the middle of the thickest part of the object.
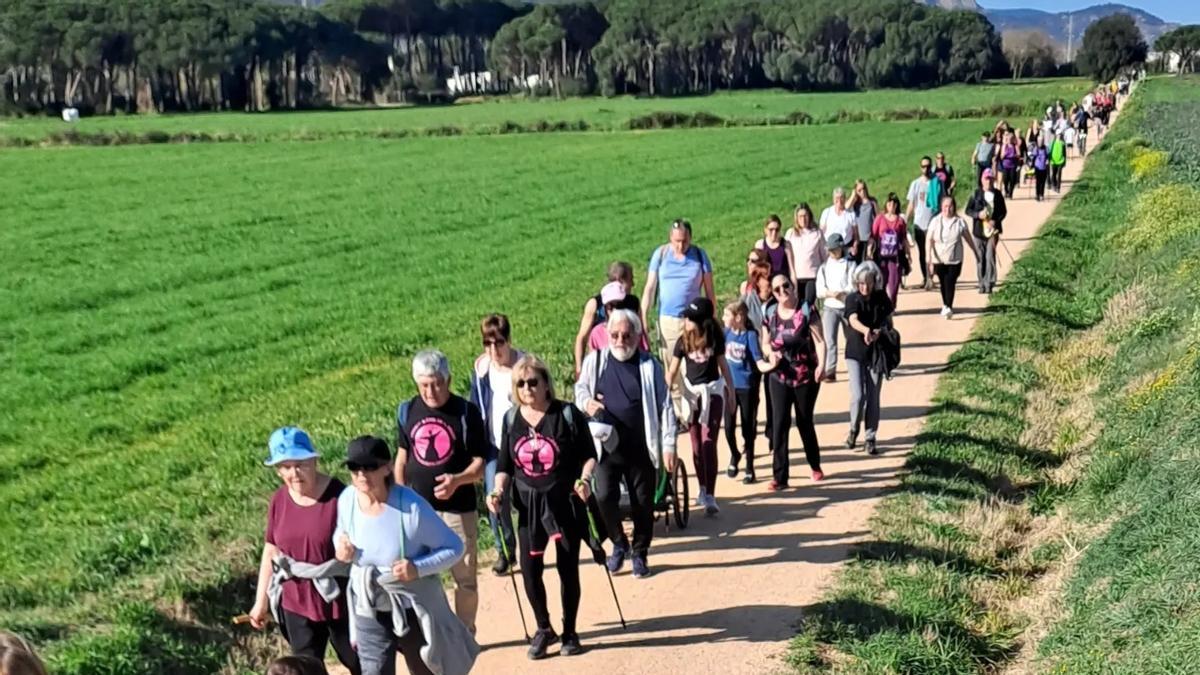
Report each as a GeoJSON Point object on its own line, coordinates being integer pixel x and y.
{"type": "Point", "coordinates": [807, 289]}
{"type": "Point", "coordinates": [533, 567]}
{"type": "Point", "coordinates": [747, 405]}
{"type": "Point", "coordinates": [948, 278]}
{"type": "Point", "coordinates": [309, 638]}
{"type": "Point", "coordinates": [803, 399]}
{"type": "Point", "coordinates": [639, 476]}
{"type": "Point", "coordinates": [1010, 182]}
{"type": "Point", "coordinates": [1040, 181]}
{"type": "Point", "coordinates": [919, 237]}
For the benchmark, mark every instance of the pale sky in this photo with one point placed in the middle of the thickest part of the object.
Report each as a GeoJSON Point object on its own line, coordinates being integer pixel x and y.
{"type": "Point", "coordinates": [1175, 11]}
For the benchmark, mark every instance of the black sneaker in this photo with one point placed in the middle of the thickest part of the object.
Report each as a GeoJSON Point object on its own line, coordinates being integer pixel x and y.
{"type": "Point", "coordinates": [732, 471]}
{"type": "Point", "coordinates": [871, 449]}
{"type": "Point", "coordinates": [570, 645]}
{"type": "Point", "coordinates": [501, 566]}
{"type": "Point", "coordinates": [749, 478]}
{"type": "Point", "coordinates": [542, 639]}
{"type": "Point", "coordinates": [851, 439]}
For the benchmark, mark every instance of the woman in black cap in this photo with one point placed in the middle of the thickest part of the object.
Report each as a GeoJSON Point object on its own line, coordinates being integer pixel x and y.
{"type": "Point", "coordinates": [707, 388]}
{"type": "Point", "coordinates": [547, 447]}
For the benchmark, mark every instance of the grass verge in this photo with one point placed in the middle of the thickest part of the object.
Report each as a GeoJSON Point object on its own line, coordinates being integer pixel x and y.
{"type": "Point", "coordinates": [1049, 458]}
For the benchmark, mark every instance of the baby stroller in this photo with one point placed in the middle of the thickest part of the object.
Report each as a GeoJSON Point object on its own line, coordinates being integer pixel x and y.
{"type": "Point", "coordinates": [671, 491]}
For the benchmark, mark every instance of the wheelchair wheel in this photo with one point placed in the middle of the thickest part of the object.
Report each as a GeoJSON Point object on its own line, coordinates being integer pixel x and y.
{"type": "Point", "coordinates": [679, 481]}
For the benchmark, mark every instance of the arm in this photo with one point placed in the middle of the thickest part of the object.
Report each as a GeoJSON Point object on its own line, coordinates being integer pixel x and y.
{"type": "Point", "coordinates": [585, 329]}
{"type": "Point", "coordinates": [818, 338]}
{"type": "Point", "coordinates": [673, 368]}
{"type": "Point", "coordinates": [585, 386]}
{"type": "Point", "coordinates": [791, 259]}
{"type": "Point", "coordinates": [707, 283]}
{"type": "Point", "coordinates": [1000, 211]}
{"type": "Point", "coordinates": [445, 547]}
{"type": "Point", "coordinates": [723, 366]}
{"type": "Point", "coordinates": [400, 462]}
{"type": "Point", "coordinates": [262, 607]}
{"type": "Point", "coordinates": [666, 413]}
{"type": "Point", "coordinates": [648, 296]}
{"type": "Point", "coordinates": [767, 358]}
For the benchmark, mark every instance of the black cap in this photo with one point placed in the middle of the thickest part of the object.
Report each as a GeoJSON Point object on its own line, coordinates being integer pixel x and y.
{"type": "Point", "coordinates": [368, 451]}
{"type": "Point", "coordinates": [699, 309]}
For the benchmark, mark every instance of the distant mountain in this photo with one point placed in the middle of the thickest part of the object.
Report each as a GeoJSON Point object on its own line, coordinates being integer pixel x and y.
{"type": "Point", "coordinates": [969, 5]}
{"type": "Point", "coordinates": [1060, 25]}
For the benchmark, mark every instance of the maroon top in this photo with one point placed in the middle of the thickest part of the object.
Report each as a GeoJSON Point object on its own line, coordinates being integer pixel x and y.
{"type": "Point", "coordinates": [305, 533]}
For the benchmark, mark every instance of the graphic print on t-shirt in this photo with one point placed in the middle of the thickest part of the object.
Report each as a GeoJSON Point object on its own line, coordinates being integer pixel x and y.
{"type": "Point", "coordinates": [537, 455]}
{"type": "Point", "coordinates": [735, 352]}
{"type": "Point", "coordinates": [432, 441]}
{"type": "Point", "coordinates": [889, 244]}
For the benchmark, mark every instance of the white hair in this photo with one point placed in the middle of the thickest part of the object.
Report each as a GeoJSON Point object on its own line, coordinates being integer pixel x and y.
{"type": "Point", "coordinates": [628, 316]}
{"type": "Point", "coordinates": [431, 363]}
{"type": "Point", "coordinates": [868, 270]}
{"type": "Point", "coordinates": [839, 191]}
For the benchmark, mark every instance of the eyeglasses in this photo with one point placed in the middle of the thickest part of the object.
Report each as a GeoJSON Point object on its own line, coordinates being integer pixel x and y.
{"type": "Point", "coordinates": [785, 286]}
{"type": "Point", "coordinates": [529, 383]}
{"type": "Point", "coordinates": [498, 342]}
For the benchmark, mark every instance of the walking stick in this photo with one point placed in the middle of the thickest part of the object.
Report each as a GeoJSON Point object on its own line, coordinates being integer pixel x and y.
{"type": "Point", "coordinates": [596, 538]}
{"type": "Point", "coordinates": [513, 577]}
{"type": "Point", "coordinates": [1011, 259]}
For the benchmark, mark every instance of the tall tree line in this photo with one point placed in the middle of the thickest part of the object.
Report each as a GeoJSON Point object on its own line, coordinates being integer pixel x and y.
{"type": "Point", "coordinates": [147, 55]}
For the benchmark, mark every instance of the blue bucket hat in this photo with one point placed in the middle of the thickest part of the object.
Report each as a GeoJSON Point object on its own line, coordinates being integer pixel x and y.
{"type": "Point", "coordinates": [289, 444]}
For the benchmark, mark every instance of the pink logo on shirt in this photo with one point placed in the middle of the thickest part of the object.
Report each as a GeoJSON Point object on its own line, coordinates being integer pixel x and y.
{"type": "Point", "coordinates": [537, 455]}
{"type": "Point", "coordinates": [432, 441]}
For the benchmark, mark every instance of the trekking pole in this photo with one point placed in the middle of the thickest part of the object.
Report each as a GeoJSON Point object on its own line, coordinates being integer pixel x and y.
{"type": "Point", "coordinates": [513, 577]}
{"type": "Point", "coordinates": [1011, 259]}
{"type": "Point", "coordinates": [596, 537]}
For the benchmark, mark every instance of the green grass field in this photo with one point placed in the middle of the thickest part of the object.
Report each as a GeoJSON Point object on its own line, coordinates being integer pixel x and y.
{"type": "Point", "coordinates": [1048, 520]}
{"type": "Point", "coordinates": [743, 108]}
{"type": "Point", "coordinates": [167, 306]}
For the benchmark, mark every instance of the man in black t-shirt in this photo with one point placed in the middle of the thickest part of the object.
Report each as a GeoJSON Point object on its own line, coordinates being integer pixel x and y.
{"type": "Point", "coordinates": [441, 444]}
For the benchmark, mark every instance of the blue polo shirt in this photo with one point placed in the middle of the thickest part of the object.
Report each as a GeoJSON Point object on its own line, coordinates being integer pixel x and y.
{"type": "Point", "coordinates": [679, 281]}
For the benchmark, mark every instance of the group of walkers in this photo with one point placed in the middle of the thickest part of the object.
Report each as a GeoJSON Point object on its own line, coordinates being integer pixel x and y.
{"type": "Point", "coordinates": [358, 567]}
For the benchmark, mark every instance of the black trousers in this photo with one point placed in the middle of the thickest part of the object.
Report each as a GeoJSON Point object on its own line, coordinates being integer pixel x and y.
{"type": "Point", "coordinates": [948, 278]}
{"type": "Point", "coordinates": [807, 289]}
{"type": "Point", "coordinates": [1040, 182]}
{"type": "Point", "coordinates": [803, 400]}
{"type": "Point", "coordinates": [1010, 181]}
{"type": "Point", "coordinates": [747, 407]}
{"type": "Point", "coordinates": [309, 638]}
{"type": "Point", "coordinates": [638, 474]}
{"type": "Point", "coordinates": [1056, 176]}
{"type": "Point", "coordinates": [533, 569]}
{"type": "Point", "coordinates": [919, 237]}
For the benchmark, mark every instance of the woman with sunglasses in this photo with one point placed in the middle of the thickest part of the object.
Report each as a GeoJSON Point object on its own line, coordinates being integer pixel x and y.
{"type": "Point", "coordinates": [547, 452]}
{"type": "Point", "coordinates": [300, 523]}
{"type": "Point", "coordinates": [777, 249]}
{"type": "Point", "coordinates": [792, 346]}
{"type": "Point", "coordinates": [398, 547]}
{"type": "Point", "coordinates": [491, 382]}
{"type": "Point", "coordinates": [808, 252]}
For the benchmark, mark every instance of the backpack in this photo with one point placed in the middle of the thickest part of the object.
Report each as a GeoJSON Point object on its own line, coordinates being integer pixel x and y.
{"type": "Point", "coordinates": [933, 194]}
{"type": "Point", "coordinates": [402, 421]}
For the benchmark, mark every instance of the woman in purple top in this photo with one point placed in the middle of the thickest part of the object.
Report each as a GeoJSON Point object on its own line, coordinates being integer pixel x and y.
{"type": "Point", "coordinates": [1010, 163]}
{"type": "Point", "coordinates": [776, 248]}
{"type": "Point", "coordinates": [1041, 167]}
{"type": "Point", "coordinates": [301, 520]}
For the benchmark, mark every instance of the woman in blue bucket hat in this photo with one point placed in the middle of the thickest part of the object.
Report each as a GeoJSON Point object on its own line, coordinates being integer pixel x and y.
{"type": "Point", "coordinates": [300, 583]}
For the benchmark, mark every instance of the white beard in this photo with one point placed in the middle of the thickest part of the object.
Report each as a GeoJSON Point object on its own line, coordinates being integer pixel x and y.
{"type": "Point", "coordinates": [623, 353]}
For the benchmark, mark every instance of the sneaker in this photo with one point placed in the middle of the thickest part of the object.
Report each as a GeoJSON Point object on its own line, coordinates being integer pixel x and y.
{"type": "Point", "coordinates": [542, 639]}
{"type": "Point", "coordinates": [945, 311]}
{"type": "Point", "coordinates": [700, 497]}
{"type": "Point", "coordinates": [928, 285]}
{"type": "Point", "coordinates": [501, 566]}
{"type": "Point", "coordinates": [818, 476]}
{"type": "Point", "coordinates": [570, 645]}
{"type": "Point", "coordinates": [732, 471]}
{"type": "Point", "coordinates": [710, 506]}
{"type": "Point", "coordinates": [776, 486]}
{"type": "Point", "coordinates": [749, 479]}
{"type": "Point", "coordinates": [831, 377]}
{"type": "Point", "coordinates": [871, 448]}
{"type": "Point", "coordinates": [851, 439]}
{"type": "Point", "coordinates": [640, 569]}
{"type": "Point", "coordinates": [949, 314]}
{"type": "Point", "coordinates": [616, 559]}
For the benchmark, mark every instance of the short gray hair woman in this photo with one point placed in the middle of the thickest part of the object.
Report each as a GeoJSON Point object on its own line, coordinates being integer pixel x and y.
{"type": "Point", "coordinates": [868, 312]}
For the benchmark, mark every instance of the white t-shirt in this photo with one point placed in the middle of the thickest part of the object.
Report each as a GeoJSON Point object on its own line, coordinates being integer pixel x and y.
{"type": "Point", "coordinates": [501, 383]}
{"type": "Point", "coordinates": [842, 224]}
{"type": "Point", "coordinates": [917, 191]}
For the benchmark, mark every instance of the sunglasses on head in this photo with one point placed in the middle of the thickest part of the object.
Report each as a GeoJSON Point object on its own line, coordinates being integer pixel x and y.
{"type": "Point", "coordinates": [528, 383]}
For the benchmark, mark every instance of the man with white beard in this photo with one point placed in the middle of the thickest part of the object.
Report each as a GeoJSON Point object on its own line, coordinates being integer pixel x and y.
{"type": "Point", "coordinates": [625, 387]}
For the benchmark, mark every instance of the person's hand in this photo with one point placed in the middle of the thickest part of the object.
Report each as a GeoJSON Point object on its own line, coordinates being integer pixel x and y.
{"type": "Point", "coordinates": [871, 336]}
{"type": "Point", "coordinates": [493, 502]}
{"type": "Point", "coordinates": [345, 549]}
{"type": "Point", "coordinates": [576, 373]}
{"type": "Point", "coordinates": [931, 269]}
{"type": "Point", "coordinates": [444, 486]}
{"type": "Point", "coordinates": [583, 490]}
{"type": "Point", "coordinates": [669, 460]}
{"type": "Point", "coordinates": [773, 359]}
{"type": "Point", "coordinates": [259, 614]}
{"type": "Point", "coordinates": [404, 570]}
{"type": "Point", "coordinates": [594, 407]}
{"type": "Point", "coordinates": [730, 400]}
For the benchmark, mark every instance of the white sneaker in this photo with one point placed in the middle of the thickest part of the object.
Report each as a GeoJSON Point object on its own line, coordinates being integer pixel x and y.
{"type": "Point", "coordinates": [701, 497]}
{"type": "Point", "coordinates": [949, 313]}
{"type": "Point", "coordinates": [710, 505]}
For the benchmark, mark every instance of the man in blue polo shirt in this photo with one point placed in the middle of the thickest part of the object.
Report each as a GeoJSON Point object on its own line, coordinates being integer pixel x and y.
{"type": "Point", "coordinates": [678, 272]}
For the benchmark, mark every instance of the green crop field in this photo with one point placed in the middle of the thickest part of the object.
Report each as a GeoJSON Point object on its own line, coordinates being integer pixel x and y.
{"type": "Point", "coordinates": [164, 307]}
{"type": "Point", "coordinates": [741, 108]}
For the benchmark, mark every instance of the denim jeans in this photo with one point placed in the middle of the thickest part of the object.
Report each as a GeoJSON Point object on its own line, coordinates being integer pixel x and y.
{"type": "Point", "coordinates": [502, 524]}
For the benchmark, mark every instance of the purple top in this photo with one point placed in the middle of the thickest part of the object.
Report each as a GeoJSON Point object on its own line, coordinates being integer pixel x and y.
{"type": "Point", "coordinates": [305, 534]}
{"type": "Point", "coordinates": [778, 258]}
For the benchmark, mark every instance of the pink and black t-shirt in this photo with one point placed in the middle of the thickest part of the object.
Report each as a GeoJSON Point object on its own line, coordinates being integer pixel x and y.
{"type": "Point", "coordinates": [792, 339]}
{"type": "Point", "coordinates": [891, 237]}
{"type": "Point", "coordinates": [305, 534]}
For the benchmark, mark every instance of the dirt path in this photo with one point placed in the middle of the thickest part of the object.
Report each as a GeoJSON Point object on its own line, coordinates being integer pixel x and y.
{"type": "Point", "coordinates": [729, 590]}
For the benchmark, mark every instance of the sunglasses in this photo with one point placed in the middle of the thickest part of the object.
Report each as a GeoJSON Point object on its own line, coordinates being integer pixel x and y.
{"type": "Point", "coordinates": [360, 468]}
{"type": "Point", "coordinates": [785, 286]}
{"type": "Point", "coordinates": [529, 383]}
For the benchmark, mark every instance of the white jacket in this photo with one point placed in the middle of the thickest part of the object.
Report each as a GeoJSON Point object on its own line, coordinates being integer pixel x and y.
{"type": "Point", "coordinates": [835, 276]}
